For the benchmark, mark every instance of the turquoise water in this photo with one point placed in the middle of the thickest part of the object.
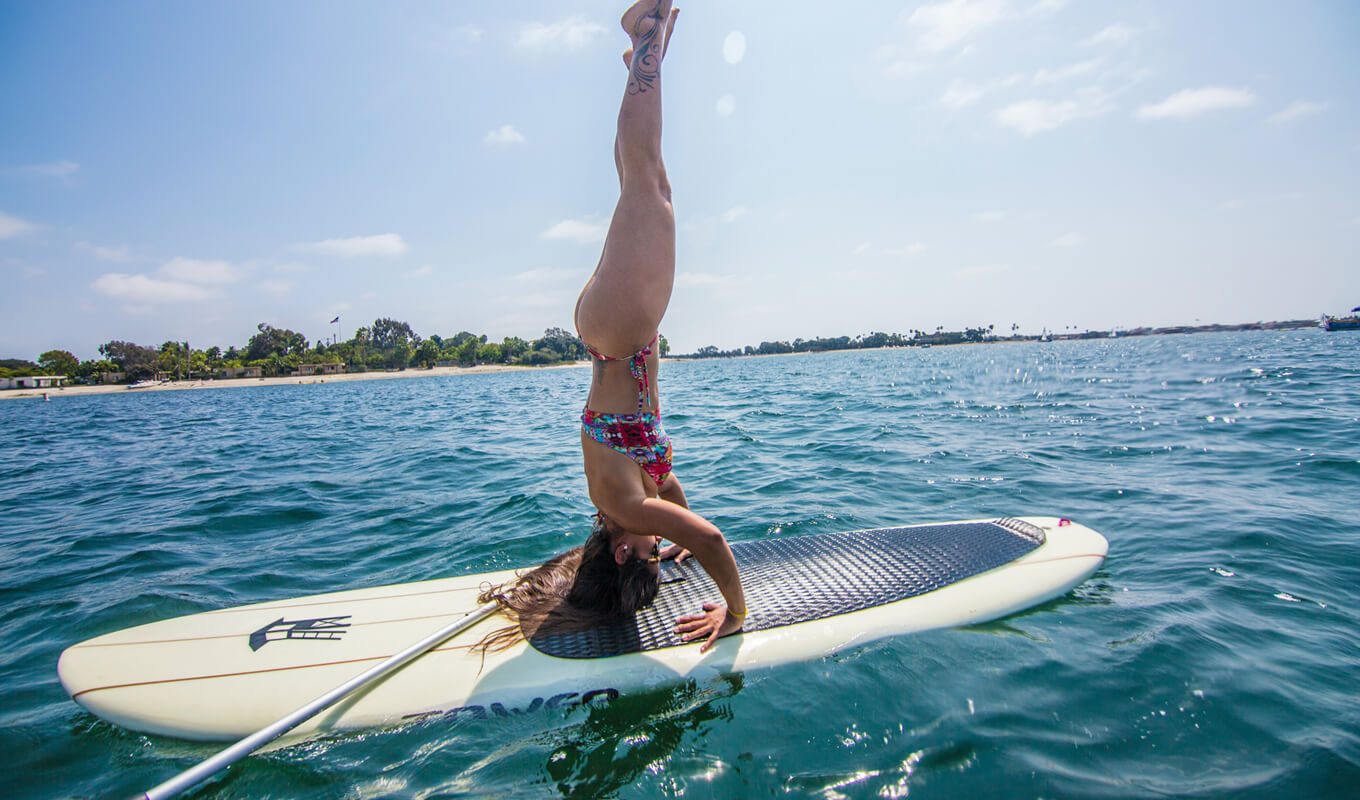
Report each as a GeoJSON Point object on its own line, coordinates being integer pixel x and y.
{"type": "Point", "coordinates": [1214, 655]}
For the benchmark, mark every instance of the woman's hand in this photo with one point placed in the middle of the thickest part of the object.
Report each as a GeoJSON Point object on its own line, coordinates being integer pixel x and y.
{"type": "Point", "coordinates": [715, 622]}
{"type": "Point", "coordinates": [676, 552]}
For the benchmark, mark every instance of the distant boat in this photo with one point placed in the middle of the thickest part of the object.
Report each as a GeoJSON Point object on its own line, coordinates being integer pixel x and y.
{"type": "Point", "coordinates": [144, 384]}
{"type": "Point", "coordinates": [1350, 323]}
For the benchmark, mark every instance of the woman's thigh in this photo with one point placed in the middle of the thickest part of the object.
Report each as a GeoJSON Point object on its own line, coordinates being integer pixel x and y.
{"type": "Point", "coordinates": [623, 303]}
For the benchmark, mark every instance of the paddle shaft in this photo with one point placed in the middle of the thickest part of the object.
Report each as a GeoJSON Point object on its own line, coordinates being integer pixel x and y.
{"type": "Point", "coordinates": [211, 766]}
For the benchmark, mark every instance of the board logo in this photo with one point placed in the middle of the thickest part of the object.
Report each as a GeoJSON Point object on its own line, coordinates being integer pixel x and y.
{"type": "Point", "coordinates": [323, 629]}
{"type": "Point", "coordinates": [557, 701]}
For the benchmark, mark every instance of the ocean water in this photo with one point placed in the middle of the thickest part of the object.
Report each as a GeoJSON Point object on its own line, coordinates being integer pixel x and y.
{"type": "Point", "coordinates": [1216, 654]}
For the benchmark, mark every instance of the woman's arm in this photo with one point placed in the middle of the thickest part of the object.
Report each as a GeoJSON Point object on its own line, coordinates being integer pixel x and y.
{"type": "Point", "coordinates": [702, 538]}
{"type": "Point", "coordinates": [672, 490]}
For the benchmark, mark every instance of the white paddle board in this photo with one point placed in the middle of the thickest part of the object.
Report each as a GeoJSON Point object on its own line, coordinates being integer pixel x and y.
{"type": "Point", "coordinates": [221, 675]}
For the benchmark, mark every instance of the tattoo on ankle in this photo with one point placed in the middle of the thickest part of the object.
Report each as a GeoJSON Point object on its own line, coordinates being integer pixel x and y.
{"type": "Point", "coordinates": [646, 67]}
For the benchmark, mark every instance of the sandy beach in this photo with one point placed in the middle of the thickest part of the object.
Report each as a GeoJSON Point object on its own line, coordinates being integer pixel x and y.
{"type": "Point", "coordinates": [236, 383]}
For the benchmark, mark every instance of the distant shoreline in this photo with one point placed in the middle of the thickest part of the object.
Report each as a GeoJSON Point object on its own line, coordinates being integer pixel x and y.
{"type": "Point", "coordinates": [433, 372]}
{"type": "Point", "coordinates": [237, 383]}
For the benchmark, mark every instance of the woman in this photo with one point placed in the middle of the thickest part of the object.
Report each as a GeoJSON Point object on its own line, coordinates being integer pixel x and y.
{"type": "Point", "coordinates": [627, 453]}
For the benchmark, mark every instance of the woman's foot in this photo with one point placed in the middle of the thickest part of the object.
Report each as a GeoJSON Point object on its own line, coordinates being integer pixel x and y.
{"type": "Point", "coordinates": [642, 22]}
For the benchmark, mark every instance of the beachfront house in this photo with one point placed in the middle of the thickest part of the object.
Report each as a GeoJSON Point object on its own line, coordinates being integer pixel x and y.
{"type": "Point", "coordinates": [33, 382]}
{"type": "Point", "coordinates": [241, 372]}
{"type": "Point", "coordinates": [304, 370]}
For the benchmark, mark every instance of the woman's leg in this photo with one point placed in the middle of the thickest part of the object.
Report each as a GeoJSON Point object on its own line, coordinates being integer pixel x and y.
{"type": "Point", "coordinates": [622, 304]}
{"type": "Point", "coordinates": [671, 490]}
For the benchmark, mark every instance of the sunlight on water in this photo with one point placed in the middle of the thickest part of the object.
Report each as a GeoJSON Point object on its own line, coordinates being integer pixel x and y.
{"type": "Point", "coordinates": [1212, 656]}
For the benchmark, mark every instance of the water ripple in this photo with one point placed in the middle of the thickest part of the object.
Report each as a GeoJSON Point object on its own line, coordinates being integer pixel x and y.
{"type": "Point", "coordinates": [1212, 656]}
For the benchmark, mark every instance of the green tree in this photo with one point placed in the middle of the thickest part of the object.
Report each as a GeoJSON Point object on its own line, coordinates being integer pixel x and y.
{"type": "Point", "coordinates": [133, 360]}
{"type": "Point", "coordinates": [512, 347]}
{"type": "Point", "coordinates": [539, 357]}
{"type": "Point", "coordinates": [388, 333]}
{"type": "Point", "coordinates": [58, 362]}
{"type": "Point", "coordinates": [400, 356]}
{"type": "Point", "coordinates": [274, 341]}
{"type": "Point", "coordinates": [462, 337]}
{"type": "Point", "coordinates": [665, 346]}
{"type": "Point", "coordinates": [567, 346]}
{"type": "Point", "coordinates": [466, 353]}
{"type": "Point", "coordinates": [490, 353]}
{"type": "Point", "coordinates": [95, 370]}
{"type": "Point", "coordinates": [427, 353]}
{"type": "Point", "coordinates": [171, 358]}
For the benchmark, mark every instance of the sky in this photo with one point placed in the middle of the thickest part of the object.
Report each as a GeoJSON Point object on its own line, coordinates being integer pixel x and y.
{"type": "Point", "coordinates": [186, 171]}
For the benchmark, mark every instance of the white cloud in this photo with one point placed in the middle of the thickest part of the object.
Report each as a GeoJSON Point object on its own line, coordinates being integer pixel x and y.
{"type": "Point", "coordinates": [13, 226]}
{"type": "Point", "coordinates": [423, 271]}
{"type": "Point", "coordinates": [146, 290]}
{"type": "Point", "coordinates": [504, 135]}
{"type": "Point", "coordinates": [570, 34]}
{"type": "Point", "coordinates": [734, 47]}
{"type": "Point", "coordinates": [905, 68]}
{"type": "Point", "coordinates": [1067, 240]}
{"type": "Point", "coordinates": [726, 105]}
{"type": "Point", "coordinates": [700, 280]}
{"type": "Point", "coordinates": [1044, 76]}
{"type": "Point", "coordinates": [1112, 34]}
{"type": "Point", "coordinates": [386, 244]}
{"type": "Point", "coordinates": [983, 270]}
{"type": "Point", "coordinates": [535, 301]}
{"type": "Point", "coordinates": [1191, 102]}
{"type": "Point", "coordinates": [960, 94]}
{"type": "Point", "coordinates": [990, 216]}
{"type": "Point", "coordinates": [581, 231]}
{"type": "Point", "coordinates": [467, 34]}
{"type": "Point", "coordinates": [545, 275]}
{"type": "Point", "coordinates": [1036, 116]}
{"type": "Point", "coordinates": [735, 213]}
{"type": "Point", "coordinates": [946, 24]}
{"type": "Point", "coordinates": [1046, 7]}
{"type": "Point", "coordinates": [291, 266]}
{"type": "Point", "coordinates": [1302, 108]}
{"type": "Point", "coordinates": [51, 169]}
{"type": "Point", "coordinates": [275, 287]}
{"type": "Point", "coordinates": [906, 251]}
{"type": "Point", "coordinates": [119, 253]}
{"type": "Point", "coordinates": [195, 271]}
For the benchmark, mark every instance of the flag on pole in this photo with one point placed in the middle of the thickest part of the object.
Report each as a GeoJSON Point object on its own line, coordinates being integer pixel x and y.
{"type": "Point", "coordinates": [337, 319]}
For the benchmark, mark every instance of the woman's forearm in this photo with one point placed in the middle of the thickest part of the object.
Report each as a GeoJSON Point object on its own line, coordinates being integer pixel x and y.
{"type": "Point", "coordinates": [696, 534]}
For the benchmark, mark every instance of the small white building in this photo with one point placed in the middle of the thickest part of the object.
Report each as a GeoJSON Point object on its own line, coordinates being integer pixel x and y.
{"type": "Point", "coordinates": [33, 382]}
{"type": "Point", "coordinates": [319, 369]}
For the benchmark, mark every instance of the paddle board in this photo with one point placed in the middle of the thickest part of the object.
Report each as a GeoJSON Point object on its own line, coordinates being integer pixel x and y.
{"type": "Point", "coordinates": [223, 674]}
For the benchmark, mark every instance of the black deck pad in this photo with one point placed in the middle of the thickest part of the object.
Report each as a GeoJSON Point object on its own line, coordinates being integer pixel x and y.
{"type": "Point", "coordinates": [805, 578]}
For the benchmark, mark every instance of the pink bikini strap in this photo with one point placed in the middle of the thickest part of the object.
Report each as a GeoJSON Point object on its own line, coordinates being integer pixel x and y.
{"type": "Point", "coordinates": [637, 364]}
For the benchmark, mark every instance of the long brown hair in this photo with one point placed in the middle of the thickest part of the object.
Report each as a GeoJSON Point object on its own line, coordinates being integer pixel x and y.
{"type": "Point", "coordinates": [576, 590]}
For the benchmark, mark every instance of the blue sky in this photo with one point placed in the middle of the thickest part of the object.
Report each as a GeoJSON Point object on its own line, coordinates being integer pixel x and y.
{"type": "Point", "coordinates": [187, 170]}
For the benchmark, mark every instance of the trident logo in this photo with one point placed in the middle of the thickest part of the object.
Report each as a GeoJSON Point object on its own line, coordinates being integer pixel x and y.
{"type": "Point", "coordinates": [325, 628]}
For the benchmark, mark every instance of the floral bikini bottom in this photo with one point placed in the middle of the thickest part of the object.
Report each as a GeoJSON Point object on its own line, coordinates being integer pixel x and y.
{"type": "Point", "coordinates": [638, 436]}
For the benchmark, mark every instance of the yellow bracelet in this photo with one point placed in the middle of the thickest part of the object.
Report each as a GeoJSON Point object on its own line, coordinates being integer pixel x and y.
{"type": "Point", "coordinates": [742, 615]}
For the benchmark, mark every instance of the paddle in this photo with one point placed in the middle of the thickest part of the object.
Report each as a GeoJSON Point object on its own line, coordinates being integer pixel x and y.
{"type": "Point", "coordinates": [211, 766]}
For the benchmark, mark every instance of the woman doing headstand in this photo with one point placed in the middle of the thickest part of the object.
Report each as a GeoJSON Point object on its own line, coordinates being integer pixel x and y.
{"type": "Point", "coordinates": [627, 454]}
